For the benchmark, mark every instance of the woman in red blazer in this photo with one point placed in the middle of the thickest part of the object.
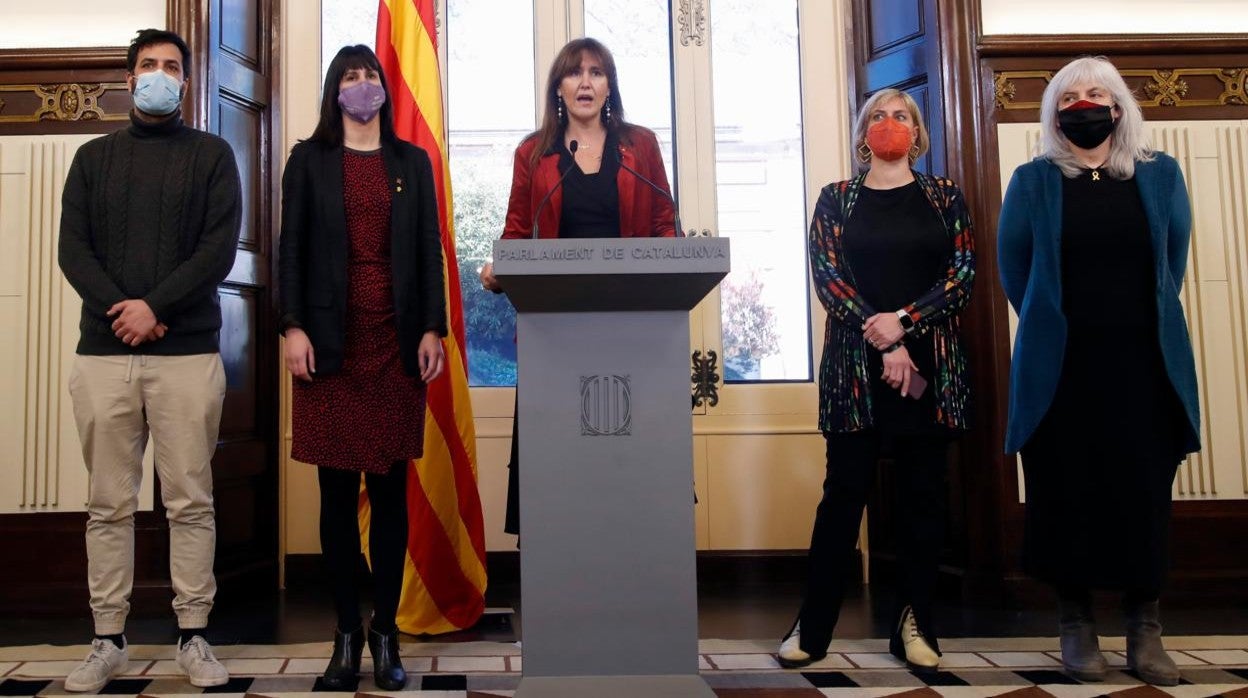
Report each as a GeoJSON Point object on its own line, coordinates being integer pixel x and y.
{"type": "Point", "coordinates": [585, 173]}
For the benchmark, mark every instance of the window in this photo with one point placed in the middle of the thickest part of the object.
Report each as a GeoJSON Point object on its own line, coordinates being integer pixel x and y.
{"type": "Point", "coordinates": [760, 190]}
{"type": "Point", "coordinates": [489, 109]}
{"type": "Point", "coordinates": [490, 105]}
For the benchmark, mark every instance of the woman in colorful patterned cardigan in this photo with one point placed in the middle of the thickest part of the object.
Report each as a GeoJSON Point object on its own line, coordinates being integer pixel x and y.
{"type": "Point", "coordinates": [893, 259]}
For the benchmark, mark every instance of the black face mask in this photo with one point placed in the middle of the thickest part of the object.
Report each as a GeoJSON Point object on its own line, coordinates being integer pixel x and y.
{"type": "Point", "coordinates": [1086, 124]}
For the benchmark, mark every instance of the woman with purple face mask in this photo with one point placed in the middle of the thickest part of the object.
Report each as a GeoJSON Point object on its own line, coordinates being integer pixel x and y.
{"type": "Point", "coordinates": [363, 313]}
{"type": "Point", "coordinates": [1093, 243]}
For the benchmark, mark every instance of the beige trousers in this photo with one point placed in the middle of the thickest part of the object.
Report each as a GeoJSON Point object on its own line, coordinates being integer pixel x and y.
{"type": "Point", "coordinates": [117, 401]}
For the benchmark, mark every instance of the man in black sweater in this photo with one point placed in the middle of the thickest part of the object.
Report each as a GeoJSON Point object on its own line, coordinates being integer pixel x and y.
{"type": "Point", "coordinates": [149, 224]}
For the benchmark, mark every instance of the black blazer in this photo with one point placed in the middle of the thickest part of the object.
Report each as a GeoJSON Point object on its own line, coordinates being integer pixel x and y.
{"type": "Point", "coordinates": [312, 252]}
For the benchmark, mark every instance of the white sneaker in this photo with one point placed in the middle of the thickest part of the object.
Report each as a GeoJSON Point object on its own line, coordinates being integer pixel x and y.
{"type": "Point", "coordinates": [201, 667]}
{"type": "Point", "coordinates": [105, 661]}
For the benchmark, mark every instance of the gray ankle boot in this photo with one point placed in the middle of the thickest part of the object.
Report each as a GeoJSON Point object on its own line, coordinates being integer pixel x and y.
{"type": "Point", "coordinates": [1081, 651]}
{"type": "Point", "coordinates": [1144, 651]}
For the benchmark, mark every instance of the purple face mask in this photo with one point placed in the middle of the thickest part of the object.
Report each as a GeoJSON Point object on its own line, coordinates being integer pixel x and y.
{"type": "Point", "coordinates": [362, 102]}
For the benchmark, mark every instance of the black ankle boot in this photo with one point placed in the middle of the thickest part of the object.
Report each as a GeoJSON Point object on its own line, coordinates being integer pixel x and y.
{"type": "Point", "coordinates": [388, 670]}
{"type": "Point", "coordinates": [343, 671]}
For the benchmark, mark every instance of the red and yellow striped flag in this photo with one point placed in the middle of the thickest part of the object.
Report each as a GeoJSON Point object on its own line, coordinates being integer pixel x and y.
{"type": "Point", "coordinates": [444, 583]}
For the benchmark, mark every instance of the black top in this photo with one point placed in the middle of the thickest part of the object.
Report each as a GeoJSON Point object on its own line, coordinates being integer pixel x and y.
{"type": "Point", "coordinates": [591, 202]}
{"type": "Point", "coordinates": [896, 248]}
{"type": "Point", "coordinates": [151, 212]}
{"type": "Point", "coordinates": [1107, 257]}
{"type": "Point", "coordinates": [895, 245]}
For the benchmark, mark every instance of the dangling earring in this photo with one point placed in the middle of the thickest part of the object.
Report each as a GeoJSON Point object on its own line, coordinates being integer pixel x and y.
{"type": "Point", "coordinates": [864, 153]}
{"type": "Point", "coordinates": [559, 98]}
{"type": "Point", "coordinates": [914, 152]}
{"type": "Point", "coordinates": [606, 111]}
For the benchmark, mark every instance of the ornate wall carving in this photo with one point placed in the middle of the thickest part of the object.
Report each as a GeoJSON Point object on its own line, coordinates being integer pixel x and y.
{"type": "Point", "coordinates": [63, 102]}
{"type": "Point", "coordinates": [63, 91]}
{"type": "Point", "coordinates": [691, 16]}
{"type": "Point", "coordinates": [1159, 87]}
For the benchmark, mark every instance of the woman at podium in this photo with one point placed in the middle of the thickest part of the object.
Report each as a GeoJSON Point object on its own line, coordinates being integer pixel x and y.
{"type": "Point", "coordinates": [584, 173]}
{"type": "Point", "coordinates": [363, 313]}
{"type": "Point", "coordinates": [893, 260]}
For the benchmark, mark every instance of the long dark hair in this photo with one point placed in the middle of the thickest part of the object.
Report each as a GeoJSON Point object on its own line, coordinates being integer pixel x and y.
{"type": "Point", "coordinates": [329, 127]}
{"type": "Point", "coordinates": [567, 62]}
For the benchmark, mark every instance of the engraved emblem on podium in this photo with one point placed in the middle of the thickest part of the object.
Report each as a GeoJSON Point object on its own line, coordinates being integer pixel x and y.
{"type": "Point", "coordinates": [606, 405]}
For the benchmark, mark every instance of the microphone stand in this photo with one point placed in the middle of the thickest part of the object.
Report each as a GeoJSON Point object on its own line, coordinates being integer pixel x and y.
{"type": "Point", "coordinates": [680, 232]}
{"type": "Point", "coordinates": [542, 204]}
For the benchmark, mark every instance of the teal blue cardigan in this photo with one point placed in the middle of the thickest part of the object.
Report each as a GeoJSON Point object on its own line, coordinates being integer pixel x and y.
{"type": "Point", "coordinates": [1029, 255]}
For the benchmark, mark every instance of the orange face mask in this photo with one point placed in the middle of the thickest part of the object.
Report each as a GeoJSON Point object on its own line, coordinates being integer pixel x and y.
{"type": "Point", "coordinates": [889, 139]}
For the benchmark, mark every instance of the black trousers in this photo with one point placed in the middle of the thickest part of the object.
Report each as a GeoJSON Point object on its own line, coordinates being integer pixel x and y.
{"type": "Point", "coordinates": [921, 498]}
{"type": "Point", "coordinates": [387, 541]}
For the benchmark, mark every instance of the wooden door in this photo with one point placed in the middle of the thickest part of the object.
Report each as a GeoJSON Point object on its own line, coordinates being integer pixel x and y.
{"type": "Point", "coordinates": [896, 44]}
{"type": "Point", "coordinates": [235, 48]}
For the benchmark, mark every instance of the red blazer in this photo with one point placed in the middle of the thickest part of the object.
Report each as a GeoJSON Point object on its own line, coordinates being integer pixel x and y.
{"type": "Point", "coordinates": [643, 213]}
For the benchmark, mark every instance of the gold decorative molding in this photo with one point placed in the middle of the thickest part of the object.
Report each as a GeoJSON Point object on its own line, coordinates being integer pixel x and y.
{"type": "Point", "coordinates": [64, 102]}
{"type": "Point", "coordinates": [692, 19]}
{"type": "Point", "coordinates": [1004, 88]}
{"type": "Point", "coordinates": [1236, 81]}
{"type": "Point", "coordinates": [1162, 87]}
{"type": "Point", "coordinates": [1166, 88]}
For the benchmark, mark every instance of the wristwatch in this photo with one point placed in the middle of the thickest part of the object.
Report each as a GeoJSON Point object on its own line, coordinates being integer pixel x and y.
{"type": "Point", "coordinates": [907, 322]}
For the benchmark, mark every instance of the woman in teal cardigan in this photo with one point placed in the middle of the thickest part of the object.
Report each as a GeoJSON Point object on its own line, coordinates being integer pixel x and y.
{"type": "Point", "coordinates": [1093, 243]}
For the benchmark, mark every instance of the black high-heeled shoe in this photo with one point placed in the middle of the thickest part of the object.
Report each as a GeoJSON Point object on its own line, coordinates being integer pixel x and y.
{"type": "Point", "coordinates": [343, 671]}
{"type": "Point", "coordinates": [388, 670]}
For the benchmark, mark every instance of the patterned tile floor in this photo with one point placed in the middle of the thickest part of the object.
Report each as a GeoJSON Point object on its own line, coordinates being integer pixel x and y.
{"type": "Point", "coordinates": [972, 668]}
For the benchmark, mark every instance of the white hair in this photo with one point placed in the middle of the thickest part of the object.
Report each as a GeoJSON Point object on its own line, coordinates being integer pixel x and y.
{"type": "Point", "coordinates": [1128, 143]}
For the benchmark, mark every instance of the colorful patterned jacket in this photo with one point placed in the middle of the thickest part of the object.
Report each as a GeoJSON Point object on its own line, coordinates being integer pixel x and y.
{"type": "Point", "coordinates": [844, 386]}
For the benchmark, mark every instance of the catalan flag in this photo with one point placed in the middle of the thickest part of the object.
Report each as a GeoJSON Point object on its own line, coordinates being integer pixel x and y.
{"type": "Point", "coordinates": [444, 583]}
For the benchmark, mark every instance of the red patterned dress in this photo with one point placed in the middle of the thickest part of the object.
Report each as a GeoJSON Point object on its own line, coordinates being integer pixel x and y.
{"type": "Point", "coordinates": [372, 413]}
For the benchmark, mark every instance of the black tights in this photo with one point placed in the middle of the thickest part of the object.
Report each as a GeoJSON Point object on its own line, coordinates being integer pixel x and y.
{"type": "Point", "coordinates": [387, 541]}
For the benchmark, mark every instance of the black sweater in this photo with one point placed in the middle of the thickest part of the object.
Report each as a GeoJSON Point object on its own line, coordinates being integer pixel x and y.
{"type": "Point", "coordinates": [151, 212]}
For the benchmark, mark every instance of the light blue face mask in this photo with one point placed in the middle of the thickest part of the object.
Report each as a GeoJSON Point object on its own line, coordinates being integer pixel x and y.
{"type": "Point", "coordinates": [157, 93]}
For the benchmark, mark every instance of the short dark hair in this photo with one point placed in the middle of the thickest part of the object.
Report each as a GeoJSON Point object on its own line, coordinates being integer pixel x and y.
{"type": "Point", "coordinates": [329, 127]}
{"type": "Point", "coordinates": [151, 37]}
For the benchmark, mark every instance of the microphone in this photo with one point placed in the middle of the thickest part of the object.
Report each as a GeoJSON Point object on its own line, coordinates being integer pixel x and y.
{"type": "Point", "coordinates": [680, 233]}
{"type": "Point", "coordinates": [571, 147]}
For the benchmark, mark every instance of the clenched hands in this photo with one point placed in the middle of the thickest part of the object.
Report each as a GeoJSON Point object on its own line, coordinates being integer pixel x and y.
{"type": "Point", "coordinates": [135, 322]}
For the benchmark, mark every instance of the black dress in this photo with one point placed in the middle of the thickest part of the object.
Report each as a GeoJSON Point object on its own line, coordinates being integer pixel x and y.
{"type": "Point", "coordinates": [371, 413]}
{"type": "Point", "coordinates": [1099, 468]}
{"type": "Point", "coordinates": [590, 209]}
{"type": "Point", "coordinates": [882, 222]}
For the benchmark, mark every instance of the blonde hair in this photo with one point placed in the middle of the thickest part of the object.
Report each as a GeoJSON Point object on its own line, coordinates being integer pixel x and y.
{"type": "Point", "coordinates": [1128, 142]}
{"type": "Point", "coordinates": [862, 123]}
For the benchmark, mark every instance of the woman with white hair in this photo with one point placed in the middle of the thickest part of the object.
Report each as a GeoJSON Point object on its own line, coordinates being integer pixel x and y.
{"type": "Point", "coordinates": [1093, 244]}
{"type": "Point", "coordinates": [893, 260]}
